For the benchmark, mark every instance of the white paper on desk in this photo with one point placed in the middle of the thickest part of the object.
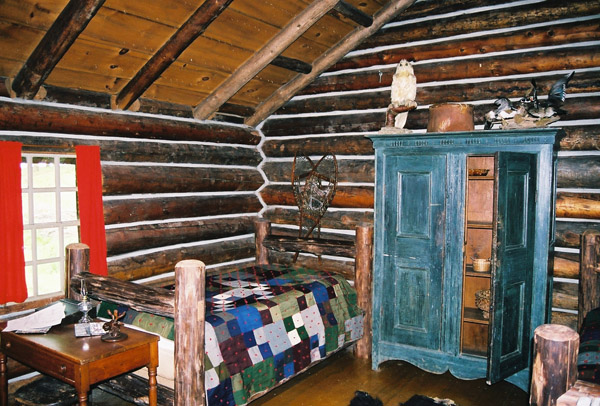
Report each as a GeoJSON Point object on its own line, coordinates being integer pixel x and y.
{"type": "Point", "coordinates": [46, 317]}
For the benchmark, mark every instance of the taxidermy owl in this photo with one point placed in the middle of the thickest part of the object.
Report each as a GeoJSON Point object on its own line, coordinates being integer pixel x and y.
{"type": "Point", "coordinates": [404, 92]}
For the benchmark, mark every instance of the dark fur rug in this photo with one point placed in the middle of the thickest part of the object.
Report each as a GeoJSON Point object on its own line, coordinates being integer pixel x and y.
{"type": "Point", "coordinates": [364, 399]}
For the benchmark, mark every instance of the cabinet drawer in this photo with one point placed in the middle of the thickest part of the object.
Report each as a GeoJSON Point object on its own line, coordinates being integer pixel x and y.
{"type": "Point", "coordinates": [43, 361]}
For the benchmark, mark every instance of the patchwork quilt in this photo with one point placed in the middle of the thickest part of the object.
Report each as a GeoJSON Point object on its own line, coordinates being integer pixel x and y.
{"type": "Point", "coordinates": [264, 324]}
{"type": "Point", "coordinates": [588, 360]}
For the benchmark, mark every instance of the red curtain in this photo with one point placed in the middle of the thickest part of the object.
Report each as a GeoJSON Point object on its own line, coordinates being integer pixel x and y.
{"type": "Point", "coordinates": [13, 287]}
{"type": "Point", "coordinates": [91, 213]}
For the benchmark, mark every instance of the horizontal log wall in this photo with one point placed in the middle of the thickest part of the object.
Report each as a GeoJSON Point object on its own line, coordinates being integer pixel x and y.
{"type": "Point", "coordinates": [471, 51]}
{"type": "Point", "coordinates": [173, 189]}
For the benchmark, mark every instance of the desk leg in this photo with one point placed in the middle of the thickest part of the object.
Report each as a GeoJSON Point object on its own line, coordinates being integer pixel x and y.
{"type": "Point", "coordinates": [152, 386]}
{"type": "Point", "coordinates": [152, 366]}
{"type": "Point", "coordinates": [83, 398]}
{"type": "Point", "coordinates": [3, 381]}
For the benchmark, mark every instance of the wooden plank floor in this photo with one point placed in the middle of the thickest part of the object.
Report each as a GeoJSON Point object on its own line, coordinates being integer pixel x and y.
{"type": "Point", "coordinates": [334, 382]}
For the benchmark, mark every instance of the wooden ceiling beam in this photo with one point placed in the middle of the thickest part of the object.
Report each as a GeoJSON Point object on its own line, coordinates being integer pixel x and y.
{"type": "Point", "coordinates": [356, 15]}
{"type": "Point", "coordinates": [263, 57]}
{"type": "Point", "coordinates": [56, 42]}
{"type": "Point", "coordinates": [347, 44]}
{"type": "Point", "coordinates": [292, 64]}
{"type": "Point", "coordinates": [169, 52]}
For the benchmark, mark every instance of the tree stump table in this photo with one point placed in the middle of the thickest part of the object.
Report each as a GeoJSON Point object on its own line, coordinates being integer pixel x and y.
{"type": "Point", "coordinates": [555, 349]}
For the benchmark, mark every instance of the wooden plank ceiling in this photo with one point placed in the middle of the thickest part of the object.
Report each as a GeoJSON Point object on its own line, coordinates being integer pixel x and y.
{"type": "Point", "coordinates": [237, 60]}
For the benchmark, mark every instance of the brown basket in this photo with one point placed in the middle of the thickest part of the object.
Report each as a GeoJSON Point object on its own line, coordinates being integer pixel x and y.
{"type": "Point", "coordinates": [482, 301]}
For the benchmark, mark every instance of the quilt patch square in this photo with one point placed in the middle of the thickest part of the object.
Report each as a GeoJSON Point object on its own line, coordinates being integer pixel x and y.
{"type": "Point", "coordinates": [302, 356]}
{"type": "Point", "coordinates": [235, 354]}
{"type": "Point", "coordinates": [302, 304]}
{"type": "Point", "coordinates": [247, 318]}
{"type": "Point", "coordinates": [277, 337]}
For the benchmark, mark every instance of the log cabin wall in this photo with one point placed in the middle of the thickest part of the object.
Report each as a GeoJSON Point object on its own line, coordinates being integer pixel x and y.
{"type": "Point", "coordinates": [471, 51]}
{"type": "Point", "coordinates": [173, 189]}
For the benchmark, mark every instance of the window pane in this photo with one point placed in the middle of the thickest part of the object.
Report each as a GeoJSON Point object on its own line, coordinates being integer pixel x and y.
{"type": "Point", "coordinates": [71, 235]}
{"type": "Point", "coordinates": [27, 245]}
{"type": "Point", "coordinates": [47, 243]}
{"type": "Point", "coordinates": [24, 174]}
{"type": "Point", "coordinates": [29, 280]}
{"type": "Point", "coordinates": [68, 206]}
{"type": "Point", "coordinates": [25, 201]}
{"type": "Point", "coordinates": [49, 278]}
{"type": "Point", "coordinates": [43, 172]}
{"type": "Point", "coordinates": [44, 208]}
{"type": "Point", "coordinates": [67, 172]}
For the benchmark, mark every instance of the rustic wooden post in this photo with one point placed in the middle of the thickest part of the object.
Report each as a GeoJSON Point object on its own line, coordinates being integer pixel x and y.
{"type": "Point", "coordinates": [362, 282]}
{"type": "Point", "coordinates": [189, 333]}
{"type": "Point", "coordinates": [590, 272]}
{"type": "Point", "coordinates": [77, 261]}
{"type": "Point", "coordinates": [555, 349]}
{"type": "Point", "coordinates": [263, 229]}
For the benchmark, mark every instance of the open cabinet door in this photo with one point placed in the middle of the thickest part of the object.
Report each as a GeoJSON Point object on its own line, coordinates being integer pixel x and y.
{"type": "Point", "coordinates": [512, 264]}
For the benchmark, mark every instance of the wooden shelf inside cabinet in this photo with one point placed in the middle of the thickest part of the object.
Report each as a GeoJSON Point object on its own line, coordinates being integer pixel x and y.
{"type": "Point", "coordinates": [470, 272]}
{"type": "Point", "coordinates": [479, 225]}
{"type": "Point", "coordinates": [473, 315]}
{"type": "Point", "coordinates": [487, 177]}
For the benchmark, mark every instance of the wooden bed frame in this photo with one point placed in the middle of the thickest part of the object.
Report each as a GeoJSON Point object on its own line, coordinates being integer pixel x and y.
{"type": "Point", "coordinates": [554, 379]}
{"type": "Point", "coordinates": [187, 307]}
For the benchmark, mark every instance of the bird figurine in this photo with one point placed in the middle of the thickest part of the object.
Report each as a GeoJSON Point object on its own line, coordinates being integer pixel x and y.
{"type": "Point", "coordinates": [404, 93]}
{"type": "Point", "coordinates": [529, 111]}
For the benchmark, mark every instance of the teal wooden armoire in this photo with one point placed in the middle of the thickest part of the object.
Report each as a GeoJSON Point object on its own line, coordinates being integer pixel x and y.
{"type": "Point", "coordinates": [443, 200]}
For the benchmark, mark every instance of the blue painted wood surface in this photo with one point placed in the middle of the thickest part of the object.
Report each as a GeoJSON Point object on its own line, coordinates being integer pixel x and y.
{"type": "Point", "coordinates": [418, 258]}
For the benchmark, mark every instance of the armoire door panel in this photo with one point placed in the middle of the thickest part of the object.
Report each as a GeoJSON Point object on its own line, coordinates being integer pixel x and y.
{"type": "Point", "coordinates": [415, 201]}
{"type": "Point", "coordinates": [413, 299]}
{"type": "Point", "coordinates": [512, 275]}
{"type": "Point", "coordinates": [513, 334]}
{"type": "Point", "coordinates": [516, 225]}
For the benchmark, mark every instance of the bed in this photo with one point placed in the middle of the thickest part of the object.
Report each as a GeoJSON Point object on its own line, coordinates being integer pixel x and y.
{"type": "Point", "coordinates": [241, 333]}
{"type": "Point", "coordinates": [568, 372]}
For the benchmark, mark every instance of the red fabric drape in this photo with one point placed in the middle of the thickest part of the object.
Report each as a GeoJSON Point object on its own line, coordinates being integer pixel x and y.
{"type": "Point", "coordinates": [13, 287]}
{"type": "Point", "coordinates": [91, 213]}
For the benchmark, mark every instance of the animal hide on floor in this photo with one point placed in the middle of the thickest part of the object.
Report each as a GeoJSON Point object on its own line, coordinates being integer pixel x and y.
{"type": "Point", "coordinates": [420, 400]}
{"type": "Point", "coordinates": [364, 399]}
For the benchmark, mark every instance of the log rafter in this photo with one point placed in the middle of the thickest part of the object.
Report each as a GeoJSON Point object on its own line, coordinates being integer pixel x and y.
{"type": "Point", "coordinates": [347, 44]}
{"type": "Point", "coordinates": [170, 51]}
{"type": "Point", "coordinates": [351, 12]}
{"type": "Point", "coordinates": [295, 65]}
{"type": "Point", "coordinates": [58, 39]}
{"type": "Point", "coordinates": [257, 62]}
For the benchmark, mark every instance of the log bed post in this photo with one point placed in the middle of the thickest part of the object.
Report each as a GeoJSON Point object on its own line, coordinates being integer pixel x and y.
{"type": "Point", "coordinates": [555, 349]}
{"type": "Point", "coordinates": [77, 261]}
{"type": "Point", "coordinates": [362, 283]}
{"type": "Point", "coordinates": [262, 229]}
{"type": "Point", "coordinates": [189, 333]}
{"type": "Point", "coordinates": [590, 272]}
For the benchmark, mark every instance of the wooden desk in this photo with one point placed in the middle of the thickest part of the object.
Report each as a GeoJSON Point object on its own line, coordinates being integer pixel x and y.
{"type": "Point", "coordinates": [80, 362]}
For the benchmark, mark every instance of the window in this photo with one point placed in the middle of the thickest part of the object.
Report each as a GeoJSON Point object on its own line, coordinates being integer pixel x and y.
{"type": "Point", "coordinates": [50, 219]}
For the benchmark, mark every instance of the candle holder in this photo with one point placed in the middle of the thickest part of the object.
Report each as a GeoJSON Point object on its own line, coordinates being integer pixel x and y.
{"type": "Point", "coordinates": [84, 306]}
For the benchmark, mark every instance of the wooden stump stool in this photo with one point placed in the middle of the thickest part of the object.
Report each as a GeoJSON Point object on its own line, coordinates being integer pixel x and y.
{"type": "Point", "coordinates": [555, 349]}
